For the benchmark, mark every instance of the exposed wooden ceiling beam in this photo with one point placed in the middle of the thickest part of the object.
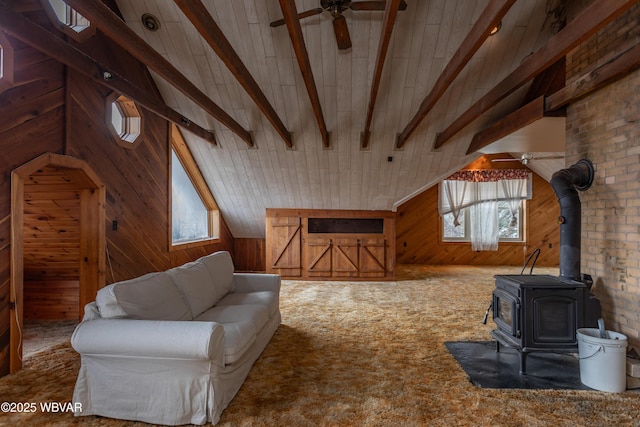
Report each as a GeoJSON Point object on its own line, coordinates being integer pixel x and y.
{"type": "Point", "coordinates": [549, 81]}
{"type": "Point", "coordinates": [57, 48]}
{"type": "Point", "coordinates": [488, 20]}
{"type": "Point", "coordinates": [118, 31]}
{"type": "Point", "coordinates": [592, 19]}
{"type": "Point", "coordinates": [390, 13]}
{"type": "Point", "coordinates": [552, 105]}
{"type": "Point", "coordinates": [531, 112]}
{"type": "Point", "coordinates": [297, 40]}
{"type": "Point", "coordinates": [604, 74]}
{"type": "Point", "coordinates": [212, 34]}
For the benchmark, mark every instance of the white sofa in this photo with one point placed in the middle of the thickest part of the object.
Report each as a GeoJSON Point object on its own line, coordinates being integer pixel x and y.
{"type": "Point", "coordinates": [174, 347]}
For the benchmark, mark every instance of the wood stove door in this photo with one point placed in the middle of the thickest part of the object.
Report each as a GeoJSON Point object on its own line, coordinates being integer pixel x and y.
{"type": "Point", "coordinates": [551, 317]}
{"type": "Point", "coordinates": [506, 312]}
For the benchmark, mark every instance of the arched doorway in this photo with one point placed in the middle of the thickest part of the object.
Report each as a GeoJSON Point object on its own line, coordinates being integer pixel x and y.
{"type": "Point", "coordinates": [48, 177]}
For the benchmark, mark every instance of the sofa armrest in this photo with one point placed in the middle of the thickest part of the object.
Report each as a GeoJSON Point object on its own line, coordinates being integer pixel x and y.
{"type": "Point", "coordinates": [91, 311]}
{"type": "Point", "coordinates": [255, 282]}
{"type": "Point", "coordinates": [150, 338]}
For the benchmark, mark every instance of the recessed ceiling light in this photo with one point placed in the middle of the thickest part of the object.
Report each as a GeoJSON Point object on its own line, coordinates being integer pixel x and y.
{"type": "Point", "coordinates": [150, 22]}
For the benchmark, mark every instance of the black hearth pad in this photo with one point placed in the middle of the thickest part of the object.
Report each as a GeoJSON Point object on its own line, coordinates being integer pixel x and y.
{"type": "Point", "coordinates": [490, 369]}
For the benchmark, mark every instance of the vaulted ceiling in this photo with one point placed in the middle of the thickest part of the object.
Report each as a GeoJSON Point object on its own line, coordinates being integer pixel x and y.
{"type": "Point", "coordinates": [298, 122]}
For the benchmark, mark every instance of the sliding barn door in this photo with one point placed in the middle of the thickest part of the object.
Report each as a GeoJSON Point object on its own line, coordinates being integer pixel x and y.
{"type": "Point", "coordinates": [283, 256]}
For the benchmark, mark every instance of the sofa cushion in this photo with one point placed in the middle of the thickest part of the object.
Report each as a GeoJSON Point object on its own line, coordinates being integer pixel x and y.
{"type": "Point", "coordinates": [267, 299]}
{"type": "Point", "coordinates": [197, 286]}
{"type": "Point", "coordinates": [220, 267]}
{"type": "Point", "coordinates": [241, 324]}
{"type": "Point", "coordinates": [149, 297]}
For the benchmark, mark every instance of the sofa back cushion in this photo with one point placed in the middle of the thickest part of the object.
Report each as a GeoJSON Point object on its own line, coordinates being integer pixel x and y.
{"type": "Point", "coordinates": [153, 296]}
{"type": "Point", "coordinates": [220, 267]}
{"type": "Point", "coordinates": [196, 285]}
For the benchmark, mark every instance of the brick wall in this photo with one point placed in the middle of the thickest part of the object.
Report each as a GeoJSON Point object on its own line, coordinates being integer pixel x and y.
{"type": "Point", "coordinates": [604, 127]}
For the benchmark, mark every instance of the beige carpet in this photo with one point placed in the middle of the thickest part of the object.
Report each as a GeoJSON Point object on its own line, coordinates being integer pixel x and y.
{"type": "Point", "coordinates": [362, 354]}
{"type": "Point", "coordinates": [41, 335]}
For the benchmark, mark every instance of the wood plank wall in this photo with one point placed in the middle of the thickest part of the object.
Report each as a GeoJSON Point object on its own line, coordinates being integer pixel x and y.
{"type": "Point", "coordinates": [52, 109]}
{"type": "Point", "coordinates": [249, 255]}
{"type": "Point", "coordinates": [137, 180]}
{"type": "Point", "coordinates": [419, 236]}
{"type": "Point", "coordinates": [51, 251]}
{"type": "Point", "coordinates": [32, 116]}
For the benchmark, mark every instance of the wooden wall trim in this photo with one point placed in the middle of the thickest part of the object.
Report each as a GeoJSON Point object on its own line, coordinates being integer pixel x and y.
{"type": "Point", "coordinates": [16, 316]}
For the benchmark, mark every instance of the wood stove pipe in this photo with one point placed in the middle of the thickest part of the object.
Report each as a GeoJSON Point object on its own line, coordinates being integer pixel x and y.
{"type": "Point", "coordinates": [565, 184]}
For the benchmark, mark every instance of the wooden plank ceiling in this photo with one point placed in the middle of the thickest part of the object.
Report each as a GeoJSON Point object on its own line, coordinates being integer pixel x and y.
{"type": "Point", "coordinates": [308, 125]}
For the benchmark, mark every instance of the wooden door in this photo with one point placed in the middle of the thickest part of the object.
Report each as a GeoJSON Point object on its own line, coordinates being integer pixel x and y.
{"type": "Point", "coordinates": [283, 252]}
{"type": "Point", "coordinates": [345, 258]}
{"type": "Point", "coordinates": [372, 258]}
{"type": "Point", "coordinates": [318, 257]}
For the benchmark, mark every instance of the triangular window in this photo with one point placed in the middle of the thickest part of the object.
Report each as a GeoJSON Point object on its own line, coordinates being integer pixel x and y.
{"type": "Point", "coordinates": [189, 216]}
{"type": "Point", "coordinates": [194, 215]}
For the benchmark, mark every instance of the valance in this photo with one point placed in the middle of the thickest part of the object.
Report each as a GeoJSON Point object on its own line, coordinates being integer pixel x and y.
{"type": "Point", "coordinates": [488, 175]}
{"type": "Point", "coordinates": [457, 193]}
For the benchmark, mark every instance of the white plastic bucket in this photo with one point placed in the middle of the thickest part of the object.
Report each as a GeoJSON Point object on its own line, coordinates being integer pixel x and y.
{"type": "Point", "coordinates": [603, 364]}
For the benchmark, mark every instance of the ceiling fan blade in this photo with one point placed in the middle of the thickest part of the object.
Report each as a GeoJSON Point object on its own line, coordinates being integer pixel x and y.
{"type": "Point", "coordinates": [342, 32]}
{"type": "Point", "coordinates": [505, 160]}
{"type": "Point", "coordinates": [367, 5]}
{"type": "Point", "coordinates": [548, 158]}
{"type": "Point", "coordinates": [374, 5]}
{"type": "Point", "coordinates": [301, 15]}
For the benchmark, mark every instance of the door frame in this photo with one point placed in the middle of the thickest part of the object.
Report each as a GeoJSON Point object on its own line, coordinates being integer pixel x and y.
{"type": "Point", "coordinates": [92, 239]}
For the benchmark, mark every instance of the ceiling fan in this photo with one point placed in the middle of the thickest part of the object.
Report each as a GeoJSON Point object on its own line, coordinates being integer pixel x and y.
{"type": "Point", "coordinates": [336, 7]}
{"type": "Point", "coordinates": [526, 157]}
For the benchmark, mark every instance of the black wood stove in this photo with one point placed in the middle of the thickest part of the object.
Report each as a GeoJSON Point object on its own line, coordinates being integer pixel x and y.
{"type": "Point", "coordinates": [541, 313]}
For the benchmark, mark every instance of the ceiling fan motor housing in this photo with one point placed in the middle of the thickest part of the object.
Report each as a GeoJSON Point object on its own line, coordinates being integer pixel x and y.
{"type": "Point", "coordinates": [335, 7]}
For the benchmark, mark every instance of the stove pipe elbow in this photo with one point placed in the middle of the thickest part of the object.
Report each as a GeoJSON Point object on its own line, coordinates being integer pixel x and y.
{"type": "Point", "coordinates": [565, 184]}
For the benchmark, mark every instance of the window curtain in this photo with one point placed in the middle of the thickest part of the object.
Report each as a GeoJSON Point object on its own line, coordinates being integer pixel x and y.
{"type": "Point", "coordinates": [479, 191]}
{"type": "Point", "coordinates": [484, 217]}
{"type": "Point", "coordinates": [454, 197]}
{"type": "Point", "coordinates": [513, 190]}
